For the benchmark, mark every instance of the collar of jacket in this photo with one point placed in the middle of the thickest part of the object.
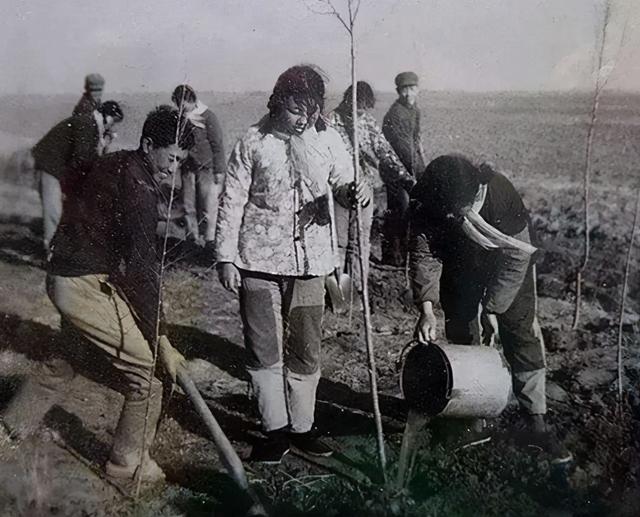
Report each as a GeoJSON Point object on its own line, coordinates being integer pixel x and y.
{"type": "Point", "coordinates": [195, 116]}
{"type": "Point", "coordinates": [267, 126]}
{"type": "Point", "coordinates": [410, 107]}
{"type": "Point", "coordinates": [148, 178]}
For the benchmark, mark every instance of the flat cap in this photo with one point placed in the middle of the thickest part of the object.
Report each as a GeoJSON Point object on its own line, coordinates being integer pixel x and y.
{"type": "Point", "coordinates": [94, 82]}
{"type": "Point", "coordinates": [406, 79]}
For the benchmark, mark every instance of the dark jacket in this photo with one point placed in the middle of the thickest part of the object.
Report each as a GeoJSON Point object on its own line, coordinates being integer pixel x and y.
{"type": "Point", "coordinates": [401, 128]}
{"type": "Point", "coordinates": [444, 250]}
{"type": "Point", "coordinates": [86, 105]}
{"type": "Point", "coordinates": [108, 226]}
{"type": "Point", "coordinates": [208, 150]}
{"type": "Point", "coordinates": [71, 145]}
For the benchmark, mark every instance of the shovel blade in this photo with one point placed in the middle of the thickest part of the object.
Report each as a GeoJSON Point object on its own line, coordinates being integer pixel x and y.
{"type": "Point", "coordinates": [339, 290]}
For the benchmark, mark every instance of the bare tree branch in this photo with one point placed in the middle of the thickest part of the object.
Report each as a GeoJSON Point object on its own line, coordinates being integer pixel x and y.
{"type": "Point", "coordinates": [355, 12]}
{"type": "Point", "coordinates": [331, 11]}
{"type": "Point", "coordinates": [361, 236]}
{"type": "Point", "coordinates": [588, 165]}
{"type": "Point", "coordinates": [625, 287]}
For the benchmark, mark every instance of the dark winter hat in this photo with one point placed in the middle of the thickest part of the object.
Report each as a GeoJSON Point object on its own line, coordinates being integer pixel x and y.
{"type": "Point", "coordinates": [93, 82]}
{"type": "Point", "coordinates": [406, 79]}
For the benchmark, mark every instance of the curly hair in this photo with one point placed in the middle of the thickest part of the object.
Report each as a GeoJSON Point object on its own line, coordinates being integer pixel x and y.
{"type": "Point", "coordinates": [165, 127]}
{"type": "Point", "coordinates": [303, 83]}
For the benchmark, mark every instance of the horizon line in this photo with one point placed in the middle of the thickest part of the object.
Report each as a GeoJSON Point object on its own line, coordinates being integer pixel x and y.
{"type": "Point", "coordinates": [617, 91]}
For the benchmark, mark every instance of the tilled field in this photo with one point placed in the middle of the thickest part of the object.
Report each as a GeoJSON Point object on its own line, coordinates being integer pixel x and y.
{"type": "Point", "coordinates": [57, 473]}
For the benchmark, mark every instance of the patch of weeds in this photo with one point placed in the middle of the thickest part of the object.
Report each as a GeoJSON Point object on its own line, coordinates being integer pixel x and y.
{"type": "Point", "coordinates": [489, 480]}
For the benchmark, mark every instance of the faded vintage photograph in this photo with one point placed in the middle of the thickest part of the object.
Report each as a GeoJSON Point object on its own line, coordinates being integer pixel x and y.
{"type": "Point", "coordinates": [331, 258]}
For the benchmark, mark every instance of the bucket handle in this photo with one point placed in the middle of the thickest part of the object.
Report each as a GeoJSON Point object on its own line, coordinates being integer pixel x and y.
{"type": "Point", "coordinates": [400, 359]}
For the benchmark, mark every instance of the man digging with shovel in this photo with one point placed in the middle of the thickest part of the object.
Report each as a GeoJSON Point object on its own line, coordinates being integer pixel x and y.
{"type": "Point", "coordinates": [470, 249]}
{"type": "Point", "coordinates": [104, 279]}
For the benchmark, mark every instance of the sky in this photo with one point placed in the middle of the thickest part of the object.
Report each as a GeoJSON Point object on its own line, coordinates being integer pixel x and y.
{"type": "Point", "coordinates": [48, 46]}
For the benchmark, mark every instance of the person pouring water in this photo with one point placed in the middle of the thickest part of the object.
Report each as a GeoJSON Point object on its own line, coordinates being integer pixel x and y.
{"type": "Point", "coordinates": [471, 252]}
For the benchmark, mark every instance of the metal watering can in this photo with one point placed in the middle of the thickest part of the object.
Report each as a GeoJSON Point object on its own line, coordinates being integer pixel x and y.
{"type": "Point", "coordinates": [458, 381]}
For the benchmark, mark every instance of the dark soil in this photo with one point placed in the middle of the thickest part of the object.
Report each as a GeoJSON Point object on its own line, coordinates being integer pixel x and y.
{"type": "Point", "coordinates": [57, 472]}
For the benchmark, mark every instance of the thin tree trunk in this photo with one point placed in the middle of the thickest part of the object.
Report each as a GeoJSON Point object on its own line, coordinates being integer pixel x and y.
{"type": "Point", "coordinates": [154, 345]}
{"type": "Point", "coordinates": [382, 456]}
{"type": "Point", "coordinates": [587, 169]}
{"type": "Point", "coordinates": [625, 287]}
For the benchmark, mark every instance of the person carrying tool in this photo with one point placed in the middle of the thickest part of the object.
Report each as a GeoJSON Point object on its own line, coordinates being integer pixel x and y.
{"type": "Point", "coordinates": [65, 153]}
{"type": "Point", "coordinates": [104, 279]}
{"type": "Point", "coordinates": [471, 251]}
{"type": "Point", "coordinates": [204, 170]}
{"type": "Point", "coordinates": [92, 96]}
{"type": "Point", "coordinates": [275, 246]}
{"type": "Point", "coordinates": [401, 127]}
{"type": "Point", "coordinates": [375, 154]}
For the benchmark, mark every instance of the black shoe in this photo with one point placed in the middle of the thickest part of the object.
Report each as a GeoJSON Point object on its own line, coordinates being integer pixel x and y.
{"type": "Point", "coordinates": [550, 444]}
{"type": "Point", "coordinates": [309, 443]}
{"type": "Point", "coordinates": [539, 435]}
{"type": "Point", "coordinates": [273, 449]}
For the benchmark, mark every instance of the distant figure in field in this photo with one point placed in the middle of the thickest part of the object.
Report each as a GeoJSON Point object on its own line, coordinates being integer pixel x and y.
{"type": "Point", "coordinates": [66, 153]}
{"type": "Point", "coordinates": [204, 170]}
{"type": "Point", "coordinates": [375, 154]}
{"type": "Point", "coordinates": [92, 96]}
{"type": "Point", "coordinates": [401, 127]}
{"type": "Point", "coordinates": [471, 252]}
{"type": "Point", "coordinates": [103, 279]}
{"type": "Point", "coordinates": [275, 245]}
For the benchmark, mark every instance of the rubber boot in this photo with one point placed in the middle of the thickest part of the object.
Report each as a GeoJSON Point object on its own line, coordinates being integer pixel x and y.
{"type": "Point", "coordinates": [124, 460]}
{"type": "Point", "coordinates": [35, 397]}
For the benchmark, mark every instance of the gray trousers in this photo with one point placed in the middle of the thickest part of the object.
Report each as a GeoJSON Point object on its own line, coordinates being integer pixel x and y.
{"type": "Point", "coordinates": [520, 334]}
{"type": "Point", "coordinates": [111, 344]}
{"type": "Point", "coordinates": [282, 321]}
{"type": "Point", "coordinates": [201, 192]}
{"type": "Point", "coordinates": [51, 197]}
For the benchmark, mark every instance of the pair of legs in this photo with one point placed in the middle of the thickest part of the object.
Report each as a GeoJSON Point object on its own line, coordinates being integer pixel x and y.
{"type": "Point", "coordinates": [461, 292]}
{"type": "Point", "coordinates": [282, 320]}
{"type": "Point", "coordinates": [51, 197]}
{"type": "Point", "coordinates": [201, 191]}
{"type": "Point", "coordinates": [113, 346]}
{"type": "Point", "coordinates": [396, 224]}
{"type": "Point", "coordinates": [348, 247]}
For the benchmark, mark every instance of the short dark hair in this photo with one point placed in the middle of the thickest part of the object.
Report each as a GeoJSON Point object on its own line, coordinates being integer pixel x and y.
{"type": "Point", "coordinates": [366, 99]}
{"type": "Point", "coordinates": [449, 183]}
{"type": "Point", "coordinates": [183, 93]}
{"type": "Point", "coordinates": [112, 109]}
{"type": "Point", "coordinates": [165, 127]}
{"type": "Point", "coordinates": [305, 85]}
